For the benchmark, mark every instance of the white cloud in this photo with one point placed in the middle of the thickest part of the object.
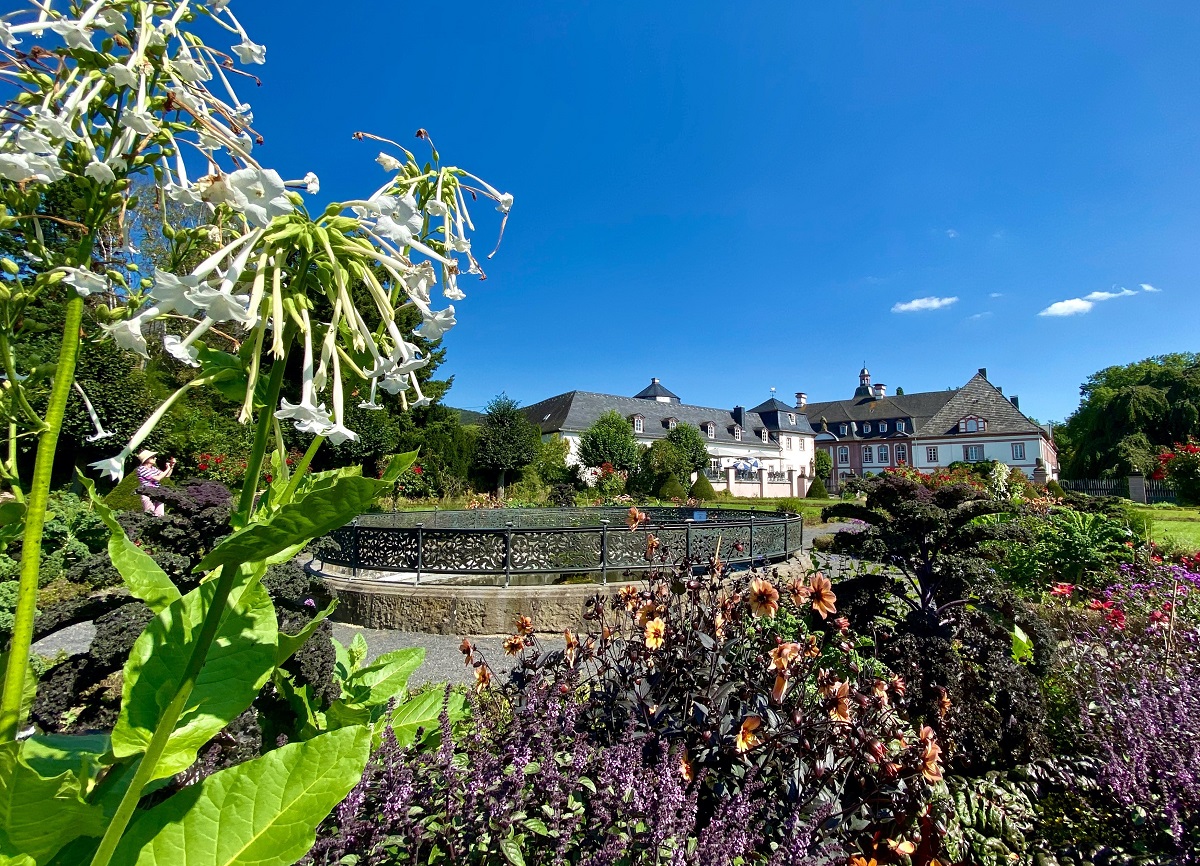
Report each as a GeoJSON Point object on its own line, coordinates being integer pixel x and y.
{"type": "Point", "coordinates": [951, 233]}
{"type": "Point", "coordinates": [1073, 307]}
{"type": "Point", "coordinates": [996, 295]}
{"type": "Point", "coordinates": [978, 316]}
{"type": "Point", "coordinates": [918, 305]}
{"type": "Point", "coordinates": [1108, 296]}
{"type": "Point", "coordinates": [1146, 287]}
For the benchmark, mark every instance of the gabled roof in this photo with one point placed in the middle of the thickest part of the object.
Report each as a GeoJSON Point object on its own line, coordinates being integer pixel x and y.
{"type": "Point", "coordinates": [981, 398]}
{"type": "Point", "coordinates": [653, 390]}
{"type": "Point", "coordinates": [916, 409]}
{"type": "Point", "coordinates": [576, 411]}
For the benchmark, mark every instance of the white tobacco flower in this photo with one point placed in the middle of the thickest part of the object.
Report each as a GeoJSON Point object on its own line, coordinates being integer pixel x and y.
{"type": "Point", "coordinates": [452, 291]}
{"type": "Point", "coordinates": [250, 52]}
{"type": "Point", "coordinates": [128, 335]}
{"type": "Point", "coordinates": [170, 292]}
{"type": "Point", "coordinates": [260, 194]}
{"type": "Point", "coordinates": [506, 202]}
{"type": "Point", "coordinates": [304, 412]}
{"type": "Point", "coordinates": [100, 433]}
{"type": "Point", "coordinates": [75, 34]}
{"type": "Point", "coordinates": [180, 351]}
{"type": "Point", "coordinates": [113, 467]}
{"type": "Point", "coordinates": [394, 384]}
{"type": "Point", "coordinates": [141, 122]}
{"type": "Point", "coordinates": [42, 168]}
{"type": "Point", "coordinates": [85, 282]}
{"type": "Point", "coordinates": [190, 70]}
{"type": "Point", "coordinates": [112, 21]}
{"type": "Point", "coordinates": [437, 207]}
{"type": "Point", "coordinates": [389, 163]}
{"type": "Point", "coordinates": [100, 172]}
{"type": "Point", "coordinates": [6, 36]}
{"type": "Point", "coordinates": [339, 433]}
{"type": "Point", "coordinates": [387, 227]}
{"type": "Point", "coordinates": [437, 324]}
{"type": "Point", "coordinates": [417, 404]}
{"type": "Point", "coordinates": [418, 280]}
{"type": "Point", "coordinates": [182, 194]}
{"type": "Point", "coordinates": [49, 125]}
{"type": "Point", "coordinates": [122, 75]}
{"type": "Point", "coordinates": [312, 184]}
{"type": "Point", "coordinates": [222, 306]}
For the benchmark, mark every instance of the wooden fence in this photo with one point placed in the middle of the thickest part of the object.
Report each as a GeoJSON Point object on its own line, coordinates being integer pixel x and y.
{"type": "Point", "coordinates": [1156, 491]}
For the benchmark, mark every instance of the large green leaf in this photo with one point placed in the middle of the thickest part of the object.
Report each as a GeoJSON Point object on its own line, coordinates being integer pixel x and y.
{"type": "Point", "coordinates": [297, 522]}
{"type": "Point", "coordinates": [39, 815]}
{"type": "Point", "coordinates": [263, 812]}
{"type": "Point", "coordinates": [383, 679]}
{"type": "Point", "coordinates": [239, 662]}
{"type": "Point", "coordinates": [52, 754]}
{"type": "Point", "coordinates": [421, 713]}
{"type": "Point", "coordinates": [142, 575]}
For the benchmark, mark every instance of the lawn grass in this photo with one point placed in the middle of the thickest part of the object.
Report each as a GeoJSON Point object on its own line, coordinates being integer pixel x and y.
{"type": "Point", "coordinates": [1181, 525]}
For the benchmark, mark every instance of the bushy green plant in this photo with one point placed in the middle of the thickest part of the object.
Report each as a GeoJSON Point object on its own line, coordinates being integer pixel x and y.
{"type": "Point", "coordinates": [790, 505]}
{"type": "Point", "coordinates": [822, 464]}
{"type": "Point", "coordinates": [609, 440]}
{"type": "Point", "coordinates": [672, 489]}
{"type": "Point", "coordinates": [702, 489]}
{"type": "Point", "coordinates": [1181, 466]}
{"type": "Point", "coordinates": [817, 490]}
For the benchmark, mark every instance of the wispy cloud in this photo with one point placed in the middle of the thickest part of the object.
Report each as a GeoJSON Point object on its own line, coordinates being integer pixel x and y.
{"type": "Point", "coordinates": [1072, 307]}
{"type": "Point", "coordinates": [951, 233]}
{"type": "Point", "coordinates": [918, 305]}
{"type": "Point", "coordinates": [977, 316]}
{"type": "Point", "coordinates": [996, 295]}
{"type": "Point", "coordinates": [1079, 306]}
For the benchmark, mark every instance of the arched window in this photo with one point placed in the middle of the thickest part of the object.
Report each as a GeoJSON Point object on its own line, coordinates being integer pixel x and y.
{"type": "Point", "coordinates": [711, 430]}
{"type": "Point", "coordinates": [638, 425]}
{"type": "Point", "coordinates": [737, 433]}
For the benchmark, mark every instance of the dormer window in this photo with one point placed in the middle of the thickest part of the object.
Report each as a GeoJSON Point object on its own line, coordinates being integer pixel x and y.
{"type": "Point", "coordinates": [899, 426]}
{"type": "Point", "coordinates": [867, 427]}
{"type": "Point", "coordinates": [844, 429]}
{"type": "Point", "coordinates": [791, 418]}
{"type": "Point", "coordinates": [972, 424]}
{"type": "Point", "coordinates": [737, 432]}
{"type": "Point", "coordinates": [671, 423]}
{"type": "Point", "coordinates": [882, 426]}
{"type": "Point", "coordinates": [711, 429]}
{"type": "Point", "coordinates": [766, 434]}
{"type": "Point", "coordinates": [639, 424]}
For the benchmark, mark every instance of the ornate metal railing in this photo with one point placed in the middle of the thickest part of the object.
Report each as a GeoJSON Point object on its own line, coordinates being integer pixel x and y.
{"type": "Point", "coordinates": [505, 542]}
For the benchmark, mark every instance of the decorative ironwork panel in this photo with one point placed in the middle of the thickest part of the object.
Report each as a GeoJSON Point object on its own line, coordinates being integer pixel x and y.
{"type": "Point", "coordinates": [768, 539]}
{"type": "Point", "coordinates": [453, 551]}
{"type": "Point", "coordinates": [384, 549]}
{"type": "Point", "coordinates": [564, 550]}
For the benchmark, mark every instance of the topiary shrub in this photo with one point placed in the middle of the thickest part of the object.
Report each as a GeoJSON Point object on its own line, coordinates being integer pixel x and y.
{"type": "Point", "coordinates": [817, 490]}
{"type": "Point", "coordinates": [702, 489]}
{"type": "Point", "coordinates": [1055, 489]}
{"type": "Point", "coordinates": [671, 489]}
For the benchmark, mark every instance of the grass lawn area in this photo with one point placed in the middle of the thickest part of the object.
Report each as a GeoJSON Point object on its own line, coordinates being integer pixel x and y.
{"type": "Point", "coordinates": [1180, 524]}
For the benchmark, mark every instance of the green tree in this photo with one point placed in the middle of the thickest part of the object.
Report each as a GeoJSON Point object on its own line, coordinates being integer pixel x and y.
{"type": "Point", "coordinates": [823, 463]}
{"type": "Point", "coordinates": [690, 444]}
{"type": "Point", "coordinates": [507, 441]}
{"type": "Point", "coordinates": [609, 440]}
{"type": "Point", "coordinates": [1128, 413]}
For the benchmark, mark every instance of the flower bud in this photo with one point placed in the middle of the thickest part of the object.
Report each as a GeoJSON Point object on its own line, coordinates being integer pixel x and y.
{"type": "Point", "coordinates": [9, 266]}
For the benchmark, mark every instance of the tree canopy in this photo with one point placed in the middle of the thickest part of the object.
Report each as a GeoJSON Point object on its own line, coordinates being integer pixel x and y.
{"type": "Point", "coordinates": [1128, 413]}
{"type": "Point", "coordinates": [691, 446]}
{"type": "Point", "coordinates": [507, 441]}
{"type": "Point", "coordinates": [609, 440]}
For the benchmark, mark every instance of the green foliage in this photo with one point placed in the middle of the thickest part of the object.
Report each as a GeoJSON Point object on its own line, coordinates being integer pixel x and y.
{"type": "Point", "coordinates": [264, 811]}
{"type": "Point", "coordinates": [691, 446]}
{"type": "Point", "coordinates": [817, 490]}
{"type": "Point", "coordinates": [38, 815]}
{"type": "Point", "coordinates": [609, 440]}
{"type": "Point", "coordinates": [1127, 412]}
{"type": "Point", "coordinates": [664, 459]}
{"type": "Point", "coordinates": [702, 489]}
{"type": "Point", "coordinates": [1181, 465]}
{"type": "Point", "coordinates": [790, 505]}
{"type": "Point", "coordinates": [1055, 489]}
{"type": "Point", "coordinates": [672, 489]}
{"type": "Point", "coordinates": [551, 461]}
{"type": "Point", "coordinates": [823, 463]}
{"type": "Point", "coordinates": [124, 496]}
{"type": "Point", "coordinates": [507, 441]}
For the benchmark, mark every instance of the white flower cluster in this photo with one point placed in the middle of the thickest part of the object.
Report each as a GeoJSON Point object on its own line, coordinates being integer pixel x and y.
{"type": "Point", "coordinates": [143, 99]}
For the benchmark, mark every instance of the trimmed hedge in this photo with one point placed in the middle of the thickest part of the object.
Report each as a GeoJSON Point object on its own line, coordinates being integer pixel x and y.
{"type": "Point", "coordinates": [817, 489]}
{"type": "Point", "coordinates": [672, 489]}
{"type": "Point", "coordinates": [702, 489]}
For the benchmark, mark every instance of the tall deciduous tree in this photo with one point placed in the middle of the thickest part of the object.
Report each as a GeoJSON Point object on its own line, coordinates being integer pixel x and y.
{"type": "Point", "coordinates": [609, 440]}
{"type": "Point", "coordinates": [690, 443]}
{"type": "Point", "coordinates": [507, 441]}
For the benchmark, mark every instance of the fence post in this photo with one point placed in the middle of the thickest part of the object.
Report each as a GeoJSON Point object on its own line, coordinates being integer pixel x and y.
{"type": "Point", "coordinates": [420, 549]}
{"type": "Point", "coordinates": [354, 568]}
{"type": "Point", "coordinates": [507, 553]}
{"type": "Point", "coordinates": [787, 550]}
{"type": "Point", "coordinates": [604, 552]}
{"type": "Point", "coordinates": [1137, 487]}
{"type": "Point", "coordinates": [752, 539]}
{"type": "Point", "coordinates": [688, 541]}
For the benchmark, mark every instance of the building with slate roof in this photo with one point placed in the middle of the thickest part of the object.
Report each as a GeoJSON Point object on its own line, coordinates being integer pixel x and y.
{"type": "Point", "coordinates": [774, 440]}
{"type": "Point", "coordinates": [871, 431]}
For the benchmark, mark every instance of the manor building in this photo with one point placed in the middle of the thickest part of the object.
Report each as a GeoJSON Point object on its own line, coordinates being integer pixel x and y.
{"type": "Point", "coordinates": [872, 431]}
{"type": "Point", "coordinates": [764, 451]}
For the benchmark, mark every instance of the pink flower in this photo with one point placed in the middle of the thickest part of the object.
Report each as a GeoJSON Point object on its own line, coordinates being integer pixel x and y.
{"type": "Point", "coordinates": [1064, 589]}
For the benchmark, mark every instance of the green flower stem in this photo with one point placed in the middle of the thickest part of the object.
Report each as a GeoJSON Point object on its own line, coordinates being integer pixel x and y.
{"type": "Point", "coordinates": [262, 433]}
{"type": "Point", "coordinates": [301, 468]}
{"type": "Point", "coordinates": [208, 633]}
{"type": "Point", "coordinates": [10, 370]}
{"type": "Point", "coordinates": [35, 519]}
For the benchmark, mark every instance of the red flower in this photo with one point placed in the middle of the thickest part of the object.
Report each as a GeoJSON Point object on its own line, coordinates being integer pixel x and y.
{"type": "Point", "coordinates": [1064, 589]}
{"type": "Point", "coordinates": [1097, 604]}
{"type": "Point", "coordinates": [218, 459]}
{"type": "Point", "coordinates": [1115, 618]}
{"type": "Point", "coordinates": [417, 470]}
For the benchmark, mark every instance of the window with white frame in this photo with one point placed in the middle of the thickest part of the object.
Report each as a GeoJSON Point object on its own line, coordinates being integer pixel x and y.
{"type": "Point", "coordinates": [882, 426]}
{"type": "Point", "coordinates": [1018, 450]}
{"type": "Point", "coordinates": [972, 424]}
{"type": "Point", "coordinates": [901, 453]}
{"type": "Point", "coordinates": [844, 430]}
{"type": "Point", "coordinates": [800, 444]}
{"type": "Point", "coordinates": [737, 433]}
{"type": "Point", "coordinates": [931, 455]}
{"type": "Point", "coordinates": [868, 454]}
{"type": "Point", "coordinates": [867, 427]}
{"type": "Point", "coordinates": [788, 439]}
{"type": "Point", "coordinates": [638, 424]}
{"type": "Point", "coordinates": [899, 426]}
{"type": "Point", "coordinates": [972, 453]}
{"type": "Point", "coordinates": [843, 455]}
{"type": "Point", "coordinates": [766, 434]}
{"type": "Point", "coordinates": [711, 430]}
{"type": "Point", "coordinates": [791, 418]}
{"type": "Point", "coordinates": [884, 456]}
{"type": "Point", "coordinates": [671, 422]}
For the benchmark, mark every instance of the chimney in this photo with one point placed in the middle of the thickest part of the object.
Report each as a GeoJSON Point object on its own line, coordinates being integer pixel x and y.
{"type": "Point", "coordinates": [983, 372]}
{"type": "Point", "coordinates": [739, 416]}
{"type": "Point", "coordinates": [1016, 401]}
{"type": "Point", "coordinates": [880, 390]}
{"type": "Point", "coordinates": [801, 400]}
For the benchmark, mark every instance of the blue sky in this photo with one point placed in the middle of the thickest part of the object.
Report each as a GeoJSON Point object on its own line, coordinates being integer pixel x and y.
{"type": "Point", "coordinates": [734, 197]}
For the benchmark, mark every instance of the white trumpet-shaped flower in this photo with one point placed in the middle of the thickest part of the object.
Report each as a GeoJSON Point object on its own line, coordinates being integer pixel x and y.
{"type": "Point", "coordinates": [100, 172]}
{"type": "Point", "coordinates": [222, 306]}
{"type": "Point", "coordinates": [7, 39]}
{"type": "Point", "coordinates": [170, 292]}
{"type": "Point", "coordinates": [100, 433]}
{"type": "Point", "coordinates": [435, 324]}
{"type": "Point", "coordinates": [258, 193]}
{"type": "Point", "coordinates": [85, 282]}
{"type": "Point", "coordinates": [128, 335]}
{"type": "Point", "coordinates": [141, 122]}
{"type": "Point", "coordinates": [113, 467]}
{"type": "Point", "coordinates": [250, 52]}
{"type": "Point", "coordinates": [389, 163]}
{"type": "Point", "coordinates": [122, 75]}
{"type": "Point", "coordinates": [181, 351]}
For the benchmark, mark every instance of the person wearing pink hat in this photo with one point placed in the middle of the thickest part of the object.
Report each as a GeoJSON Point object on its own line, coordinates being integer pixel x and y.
{"type": "Point", "coordinates": [151, 476]}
